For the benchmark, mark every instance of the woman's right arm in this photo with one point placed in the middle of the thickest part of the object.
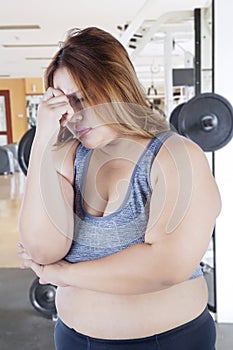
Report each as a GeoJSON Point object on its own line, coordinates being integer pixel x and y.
{"type": "Point", "coordinates": [46, 216]}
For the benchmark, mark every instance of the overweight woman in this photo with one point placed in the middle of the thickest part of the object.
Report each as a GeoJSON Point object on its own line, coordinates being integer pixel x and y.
{"type": "Point", "coordinates": [118, 210]}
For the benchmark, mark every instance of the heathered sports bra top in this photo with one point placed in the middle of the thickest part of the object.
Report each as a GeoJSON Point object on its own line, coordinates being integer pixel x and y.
{"type": "Point", "coordinates": [97, 237]}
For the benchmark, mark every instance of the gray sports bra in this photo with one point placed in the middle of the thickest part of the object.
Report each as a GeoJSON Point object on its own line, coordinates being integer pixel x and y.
{"type": "Point", "coordinates": [97, 237]}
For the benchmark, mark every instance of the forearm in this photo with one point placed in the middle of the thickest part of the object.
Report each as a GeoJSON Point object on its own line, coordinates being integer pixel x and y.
{"type": "Point", "coordinates": [135, 270]}
{"type": "Point", "coordinates": [143, 268]}
{"type": "Point", "coordinates": [46, 217]}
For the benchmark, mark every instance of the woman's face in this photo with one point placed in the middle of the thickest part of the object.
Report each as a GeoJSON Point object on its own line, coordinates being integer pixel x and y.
{"type": "Point", "coordinates": [86, 125]}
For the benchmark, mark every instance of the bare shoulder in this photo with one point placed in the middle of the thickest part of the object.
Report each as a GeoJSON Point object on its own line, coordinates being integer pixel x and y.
{"type": "Point", "coordinates": [180, 153]}
{"type": "Point", "coordinates": [182, 167]}
{"type": "Point", "coordinates": [177, 145]}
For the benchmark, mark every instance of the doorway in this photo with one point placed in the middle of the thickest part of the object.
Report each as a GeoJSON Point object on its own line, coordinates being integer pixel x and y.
{"type": "Point", "coordinates": [5, 118]}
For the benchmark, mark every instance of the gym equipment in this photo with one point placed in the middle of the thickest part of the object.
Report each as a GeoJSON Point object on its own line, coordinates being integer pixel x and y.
{"type": "Point", "coordinates": [207, 119]}
{"type": "Point", "coordinates": [6, 161]}
{"type": "Point", "coordinates": [24, 149]}
{"type": "Point", "coordinates": [174, 118]}
{"type": "Point", "coordinates": [13, 147]}
{"type": "Point", "coordinates": [42, 298]}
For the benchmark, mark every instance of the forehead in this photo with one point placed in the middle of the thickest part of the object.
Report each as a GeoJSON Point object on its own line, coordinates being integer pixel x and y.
{"type": "Point", "coordinates": [63, 81]}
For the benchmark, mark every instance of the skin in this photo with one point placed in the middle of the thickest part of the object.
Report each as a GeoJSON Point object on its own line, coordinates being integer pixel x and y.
{"type": "Point", "coordinates": [144, 289]}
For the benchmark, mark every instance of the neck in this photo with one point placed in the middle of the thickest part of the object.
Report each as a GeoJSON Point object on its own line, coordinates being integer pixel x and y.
{"type": "Point", "coordinates": [122, 146]}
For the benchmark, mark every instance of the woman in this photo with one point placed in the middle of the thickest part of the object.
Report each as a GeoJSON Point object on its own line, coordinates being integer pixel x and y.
{"type": "Point", "coordinates": [118, 210]}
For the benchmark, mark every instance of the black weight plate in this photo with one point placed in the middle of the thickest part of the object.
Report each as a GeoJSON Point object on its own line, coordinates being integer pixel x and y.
{"type": "Point", "coordinates": [191, 116]}
{"type": "Point", "coordinates": [24, 149]}
{"type": "Point", "coordinates": [174, 117]}
{"type": "Point", "coordinates": [42, 297]}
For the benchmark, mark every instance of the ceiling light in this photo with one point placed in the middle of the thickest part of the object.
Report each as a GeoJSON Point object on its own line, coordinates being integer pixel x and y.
{"type": "Point", "coordinates": [37, 58]}
{"type": "Point", "coordinates": [19, 27]}
{"type": "Point", "coordinates": [28, 45]}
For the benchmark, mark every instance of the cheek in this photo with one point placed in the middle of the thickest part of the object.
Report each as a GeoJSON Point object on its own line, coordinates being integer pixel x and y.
{"type": "Point", "coordinates": [105, 132]}
{"type": "Point", "coordinates": [99, 134]}
{"type": "Point", "coordinates": [92, 116]}
{"type": "Point", "coordinates": [93, 139]}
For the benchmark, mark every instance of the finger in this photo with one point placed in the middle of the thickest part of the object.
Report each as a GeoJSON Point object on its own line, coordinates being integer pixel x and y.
{"type": "Point", "coordinates": [38, 269]}
{"type": "Point", "coordinates": [51, 92]}
{"type": "Point", "coordinates": [24, 266]}
{"type": "Point", "coordinates": [57, 92]}
{"type": "Point", "coordinates": [20, 245]}
{"type": "Point", "coordinates": [55, 100]}
{"type": "Point", "coordinates": [24, 255]}
{"type": "Point", "coordinates": [62, 106]}
{"type": "Point", "coordinates": [41, 281]}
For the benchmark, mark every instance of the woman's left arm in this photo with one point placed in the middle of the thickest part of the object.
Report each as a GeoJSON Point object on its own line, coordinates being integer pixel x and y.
{"type": "Point", "coordinates": [185, 203]}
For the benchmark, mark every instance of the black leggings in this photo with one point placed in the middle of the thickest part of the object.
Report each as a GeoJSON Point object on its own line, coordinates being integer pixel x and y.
{"type": "Point", "coordinates": [198, 334]}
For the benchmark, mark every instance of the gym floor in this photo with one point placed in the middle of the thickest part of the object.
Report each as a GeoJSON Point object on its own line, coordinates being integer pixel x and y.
{"type": "Point", "coordinates": [21, 326]}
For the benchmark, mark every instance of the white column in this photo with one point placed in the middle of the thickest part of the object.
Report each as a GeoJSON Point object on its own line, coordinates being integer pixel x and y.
{"type": "Point", "coordinates": [168, 47]}
{"type": "Point", "coordinates": [224, 163]}
{"type": "Point", "coordinates": [206, 49]}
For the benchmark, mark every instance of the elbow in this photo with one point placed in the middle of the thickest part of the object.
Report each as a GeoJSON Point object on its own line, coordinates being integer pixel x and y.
{"type": "Point", "coordinates": [173, 274]}
{"type": "Point", "coordinates": [171, 279]}
{"type": "Point", "coordinates": [178, 274]}
{"type": "Point", "coordinates": [163, 280]}
{"type": "Point", "coordinates": [176, 278]}
{"type": "Point", "coordinates": [39, 252]}
{"type": "Point", "coordinates": [39, 256]}
{"type": "Point", "coordinates": [28, 240]}
{"type": "Point", "coordinates": [44, 250]}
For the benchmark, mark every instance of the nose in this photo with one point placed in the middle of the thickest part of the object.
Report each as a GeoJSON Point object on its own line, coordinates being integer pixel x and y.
{"type": "Point", "coordinates": [74, 122]}
{"type": "Point", "coordinates": [78, 116]}
{"type": "Point", "coordinates": [75, 119]}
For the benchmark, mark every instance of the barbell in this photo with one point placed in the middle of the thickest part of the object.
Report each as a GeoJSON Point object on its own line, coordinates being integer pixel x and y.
{"type": "Point", "coordinates": [42, 298]}
{"type": "Point", "coordinates": [207, 119]}
{"type": "Point", "coordinates": [24, 149]}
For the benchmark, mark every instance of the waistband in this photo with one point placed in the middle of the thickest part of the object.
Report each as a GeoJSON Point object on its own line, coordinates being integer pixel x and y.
{"type": "Point", "coordinates": [197, 322]}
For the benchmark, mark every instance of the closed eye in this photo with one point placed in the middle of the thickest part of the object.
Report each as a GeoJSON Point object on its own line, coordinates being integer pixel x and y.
{"type": "Point", "coordinates": [76, 102]}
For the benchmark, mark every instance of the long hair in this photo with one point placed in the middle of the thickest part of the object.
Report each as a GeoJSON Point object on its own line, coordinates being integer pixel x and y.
{"type": "Point", "coordinates": [101, 69]}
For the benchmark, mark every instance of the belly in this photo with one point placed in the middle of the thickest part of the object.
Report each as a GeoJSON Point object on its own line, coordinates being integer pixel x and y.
{"type": "Point", "coordinates": [111, 316]}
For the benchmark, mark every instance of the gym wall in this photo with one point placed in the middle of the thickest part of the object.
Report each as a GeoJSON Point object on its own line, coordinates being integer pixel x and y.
{"type": "Point", "coordinates": [19, 89]}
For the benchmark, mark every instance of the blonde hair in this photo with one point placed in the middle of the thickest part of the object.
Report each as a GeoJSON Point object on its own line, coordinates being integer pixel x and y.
{"type": "Point", "coordinates": [101, 69]}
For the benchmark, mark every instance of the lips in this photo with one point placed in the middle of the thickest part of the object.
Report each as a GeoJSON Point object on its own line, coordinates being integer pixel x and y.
{"type": "Point", "coordinates": [82, 131]}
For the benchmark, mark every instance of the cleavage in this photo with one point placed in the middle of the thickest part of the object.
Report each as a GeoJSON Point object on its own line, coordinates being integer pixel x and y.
{"type": "Point", "coordinates": [106, 186]}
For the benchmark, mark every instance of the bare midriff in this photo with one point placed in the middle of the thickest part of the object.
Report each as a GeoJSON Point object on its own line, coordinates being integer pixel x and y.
{"type": "Point", "coordinates": [111, 316]}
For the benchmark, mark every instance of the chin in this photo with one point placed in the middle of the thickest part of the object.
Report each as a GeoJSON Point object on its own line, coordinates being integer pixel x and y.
{"type": "Point", "coordinates": [95, 142]}
{"type": "Point", "coordinates": [89, 144]}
